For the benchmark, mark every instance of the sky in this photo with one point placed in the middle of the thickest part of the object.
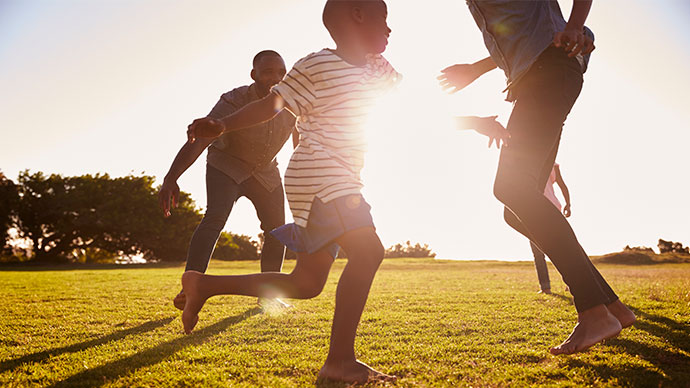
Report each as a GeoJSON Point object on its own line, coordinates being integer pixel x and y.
{"type": "Point", "coordinates": [109, 86]}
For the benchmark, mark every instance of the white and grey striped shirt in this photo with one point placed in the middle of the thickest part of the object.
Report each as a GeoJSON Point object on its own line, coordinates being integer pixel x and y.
{"type": "Point", "coordinates": [331, 98]}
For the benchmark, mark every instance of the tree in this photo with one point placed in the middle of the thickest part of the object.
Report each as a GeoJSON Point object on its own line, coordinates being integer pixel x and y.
{"type": "Point", "coordinates": [235, 247]}
{"type": "Point", "coordinates": [81, 218]}
{"type": "Point", "coordinates": [96, 218]}
{"type": "Point", "coordinates": [8, 203]}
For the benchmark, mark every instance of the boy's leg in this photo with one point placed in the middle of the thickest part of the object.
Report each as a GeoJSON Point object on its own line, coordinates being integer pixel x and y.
{"type": "Point", "coordinates": [365, 253]}
{"type": "Point", "coordinates": [305, 281]}
{"type": "Point", "coordinates": [545, 98]}
{"type": "Point", "coordinates": [542, 269]}
{"type": "Point", "coordinates": [270, 209]}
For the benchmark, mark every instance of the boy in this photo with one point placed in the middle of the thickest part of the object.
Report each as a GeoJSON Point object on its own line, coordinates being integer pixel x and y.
{"type": "Point", "coordinates": [544, 59]}
{"type": "Point", "coordinates": [329, 91]}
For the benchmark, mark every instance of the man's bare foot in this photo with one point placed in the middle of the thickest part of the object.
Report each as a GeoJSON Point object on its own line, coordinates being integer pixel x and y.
{"type": "Point", "coordinates": [545, 291]}
{"type": "Point", "coordinates": [352, 372]}
{"type": "Point", "coordinates": [180, 300]}
{"type": "Point", "coordinates": [194, 300]}
{"type": "Point", "coordinates": [594, 325]}
{"type": "Point", "coordinates": [624, 315]}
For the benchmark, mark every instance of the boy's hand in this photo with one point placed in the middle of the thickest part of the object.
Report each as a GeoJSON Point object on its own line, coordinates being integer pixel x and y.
{"type": "Point", "coordinates": [168, 196]}
{"type": "Point", "coordinates": [204, 127]}
{"type": "Point", "coordinates": [495, 131]}
{"type": "Point", "coordinates": [566, 210]}
{"type": "Point", "coordinates": [574, 42]}
{"type": "Point", "coordinates": [457, 77]}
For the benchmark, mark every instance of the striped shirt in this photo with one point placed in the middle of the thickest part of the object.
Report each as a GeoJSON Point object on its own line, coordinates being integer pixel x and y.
{"type": "Point", "coordinates": [331, 98]}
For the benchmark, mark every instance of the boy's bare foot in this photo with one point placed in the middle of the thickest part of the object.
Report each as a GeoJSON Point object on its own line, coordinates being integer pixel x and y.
{"type": "Point", "coordinates": [194, 300]}
{"type": "Point", "coordinates": [594, 325]}
{"type": "Point", "coordinates": [545, 291]}
{"type": "Point", "coordinates": [624, 315]}
{"type": "Point", "coordinates": [180, 300]}
{"type": "Point", "coordinates": [352, 372]}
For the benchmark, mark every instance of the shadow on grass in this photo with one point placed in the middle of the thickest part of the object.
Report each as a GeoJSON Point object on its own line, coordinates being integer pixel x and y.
{"type": "Point", "coordinates": [670, 365]}
{"type": "Point", "coordinates": [40, 267]}
{"type": "Point", "coordinates": [44, 355]}
{"type": "Point", "coordinates": [103, 374]}
{"type": "Point", "coordinates": [670, 368]}
{"type": "Point", "coordinates": [676, 333]}
{"type": "Point", "coordinates": [565, 297]}
{"type": "Point", "coordinates": [320, 383]}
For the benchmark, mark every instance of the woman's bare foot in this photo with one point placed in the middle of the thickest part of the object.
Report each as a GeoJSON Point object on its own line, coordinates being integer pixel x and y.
{"type": "Point", "coordinates": [352, 372]}
{"type": "Point", "coordinates": [593, 326]}
{"type": "Point", "coordinates": [624, 315]}
{"type": "Point", "coordinates": [194, 300]}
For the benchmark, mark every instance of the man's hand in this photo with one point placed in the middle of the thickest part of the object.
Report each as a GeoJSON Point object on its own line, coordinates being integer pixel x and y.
{"type": "Point", "coordinates": [168, 196]}
{"type": "Point", "coordinates": [566, 210]}
{"type": "Point", "coordinates": [457, 77]}
{"type": "Point", "coordinates": [574, 42]}
{"type": "Point", "coordinates": [205, 127]}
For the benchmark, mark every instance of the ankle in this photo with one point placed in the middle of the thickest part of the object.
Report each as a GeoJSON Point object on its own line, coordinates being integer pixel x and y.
{"type": "Point", "coordinates": [596, 312]}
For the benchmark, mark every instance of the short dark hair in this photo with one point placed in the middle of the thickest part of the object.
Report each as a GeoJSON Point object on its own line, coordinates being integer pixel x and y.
{"type": "Point", "coordinates": [262, 54]}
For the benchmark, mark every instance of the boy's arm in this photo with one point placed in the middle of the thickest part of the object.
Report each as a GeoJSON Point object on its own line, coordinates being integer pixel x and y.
{"type": "Point", "coordinates": [459, 76]}
{"type": "Point", "coordinates": [564, 190]}
{"type": "Point", "coordinates": [572, 38]}
{"type": "Point", "coordinates": [295, 137]}
{"type": "Point", "coordinates": [251, 114]}
{"type": "Point", "coordinates": [169, 191]}
{"type": "Point", "coordinates": [487, 126]}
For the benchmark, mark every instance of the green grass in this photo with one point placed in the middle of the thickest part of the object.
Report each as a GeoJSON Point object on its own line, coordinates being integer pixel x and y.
{"type": "Point", "coordinates": [432, 323]}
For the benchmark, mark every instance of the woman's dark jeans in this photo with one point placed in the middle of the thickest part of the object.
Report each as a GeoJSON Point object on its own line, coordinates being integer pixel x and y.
{"type": "Point", "coordinates": [543, 99]}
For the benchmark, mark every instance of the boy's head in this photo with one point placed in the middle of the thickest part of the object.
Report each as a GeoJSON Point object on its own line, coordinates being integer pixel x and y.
{"type": "Point", "coordinates": [358, 22]}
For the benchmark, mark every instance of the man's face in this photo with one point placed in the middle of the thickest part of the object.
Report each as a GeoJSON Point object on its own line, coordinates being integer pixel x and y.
{"type": "Point", "coordinates": [375, 28]}
{"type": "Point", "coordinates": [269, 70]}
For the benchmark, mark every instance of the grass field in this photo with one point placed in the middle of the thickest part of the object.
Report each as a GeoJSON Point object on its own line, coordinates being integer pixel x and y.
{"type": "Point", "coordinates": [432, 323]}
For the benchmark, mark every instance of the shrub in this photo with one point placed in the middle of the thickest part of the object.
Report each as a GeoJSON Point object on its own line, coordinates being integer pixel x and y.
{"type": "Point", "coordinates": [409, 250]}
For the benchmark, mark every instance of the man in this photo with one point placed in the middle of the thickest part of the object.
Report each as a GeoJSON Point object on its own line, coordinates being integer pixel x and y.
{"type": "Point", "coordinates": [239, 164]}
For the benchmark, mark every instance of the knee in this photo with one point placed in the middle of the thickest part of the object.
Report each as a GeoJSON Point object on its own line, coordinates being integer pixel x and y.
{"type": "Point", "coordinates": [213, 221]}
{"type": "Point", "coordinates": [310, 289]}
{"type": "Point", "coordinates": [370, 256]}
{"type": "Point", "coordinates": [503, 190]}
{"type": "Point", "coordinates": [307, 287]}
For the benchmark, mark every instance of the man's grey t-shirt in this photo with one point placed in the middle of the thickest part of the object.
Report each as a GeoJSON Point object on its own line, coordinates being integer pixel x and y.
{"type": "Point", "coordinates": [249, 151]}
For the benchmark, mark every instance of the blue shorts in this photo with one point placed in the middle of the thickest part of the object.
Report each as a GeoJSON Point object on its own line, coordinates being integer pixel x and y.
{"type": "Point", "coordinates": [327, 222]}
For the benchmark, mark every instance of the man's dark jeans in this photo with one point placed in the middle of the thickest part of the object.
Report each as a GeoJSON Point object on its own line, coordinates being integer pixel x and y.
{"type": "Point", "coordinates": [221, 194]}
{"type": "Point", "coordinates": [543, 99]}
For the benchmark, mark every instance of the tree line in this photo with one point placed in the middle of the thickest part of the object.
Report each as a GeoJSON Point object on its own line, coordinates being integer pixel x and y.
{"type": "Point", "coordinates": [97, 218]}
